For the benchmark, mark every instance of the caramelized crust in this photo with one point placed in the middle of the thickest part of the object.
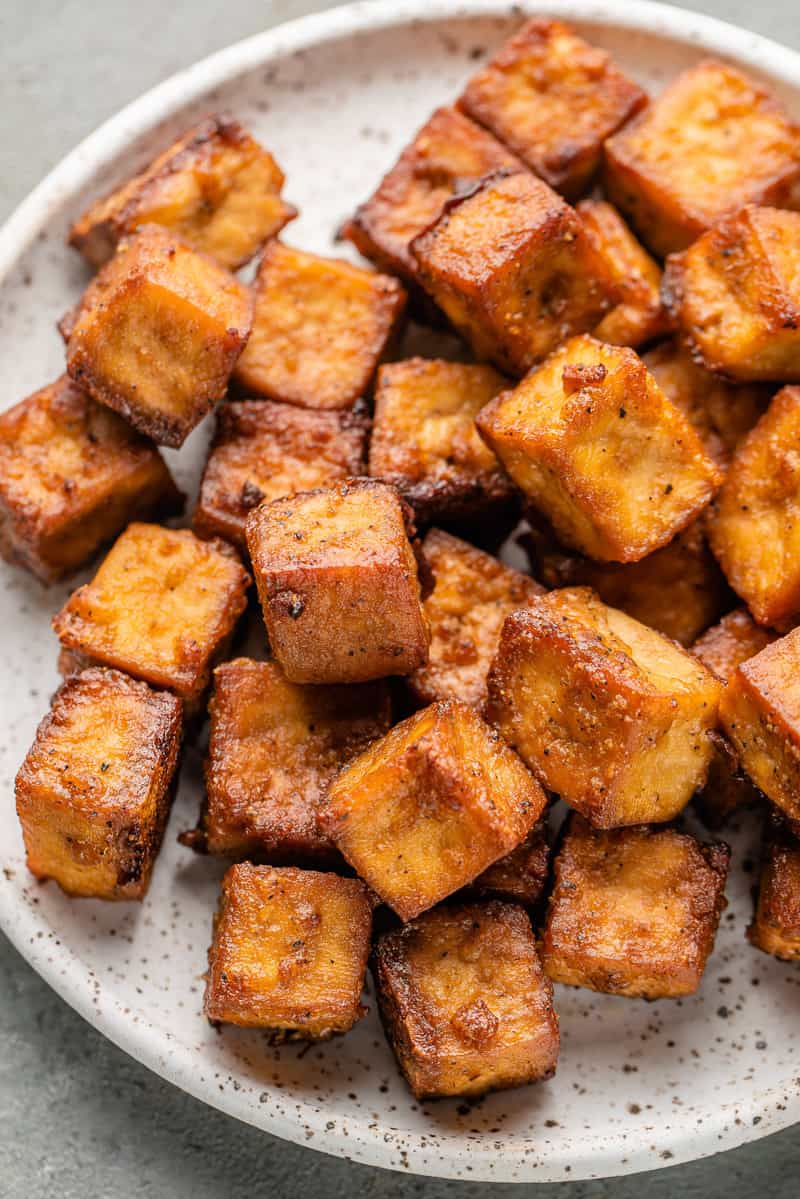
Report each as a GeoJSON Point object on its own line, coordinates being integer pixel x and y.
{"type": "Point", "coordinates": [522, 875]}
{"type": "Point", "coordinates": [776, 924]}
{"type": "Point", "coordinates": [731, 642]}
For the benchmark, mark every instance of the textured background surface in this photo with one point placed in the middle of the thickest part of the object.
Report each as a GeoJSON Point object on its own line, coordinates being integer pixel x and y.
{"type": "Point", "coordinates": [79, 1119]}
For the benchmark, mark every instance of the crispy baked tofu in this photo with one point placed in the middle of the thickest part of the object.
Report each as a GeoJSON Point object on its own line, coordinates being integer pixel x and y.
{"type": "Point", "coordinates": [273, 750]}
{"type": "Point", "coordinates": [430, 806]}
{"type": "Point", "coordinates": [157, 334]}
{"type": "Point", "coordinates": [633, 911]}
{"type": "Point", "coordinates": [95, 789]}
{"type": "Point", "coordinates": [464, 1001]}
{"type": "Point", "coordinates": [320, 328]}
{"type": "Point", "coordinates": [640, 316]}
{"type": "Point", "coordinates": [263, 451]}
{"type": "Point", "coordinates": [215, 187]}
{"type": "Point", "coordinates": [424, 441]}
{"type": "Point", "coordinates": [735, 295]}
{"type": "Point", "coordinates": [776, 923]}
{"type": "Point", "coordinates": [514, 270]}
{"type": "Point", "coordinates": [522, 875]}
{"type": "Point", "coordinates": [599, 450]}
{"type": "Point", "coordinates": [714, 141]}
{"type": "Point", "coordinates": [338, 583]}
{"type": "Point", "coordinates": [162, 607]}
{"type": "Point", "coordinates": [471, 597]}
{"type": "Point", "coordinates": [553, 99]}
{"type": "Point", "coordinates": [607, 713]}
{"type": "Point", "coordinates": [760, 713]}
{"type": "Point", "coordinates": [289, 952]}
{"type": "Point", "coordinates": [755, 523]}
{"type": "Point", "coordinates": [72, 475]}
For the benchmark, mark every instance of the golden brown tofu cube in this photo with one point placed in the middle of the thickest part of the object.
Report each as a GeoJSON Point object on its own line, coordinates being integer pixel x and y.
{"type": "Point", "coordinates": [263, 451]}
{"type": "Point", "coordinates": [157, 334]}
{"type": "Point", "coordinates": [721, 412]}
{"type": "Point", "coordinates": [424, 440]}
{"type": "Point", "coordinates": [464, 1001]}
{"type": "Point", "coordinates": [735, 295]}
{"type": "Point", "coordinates": [598, 449]}
{"type": "Point", "coordinates": [289, 952]}
{"type": "Point", "coordinates": [640, 315]}
{"type": "Point", "coordinates": [320, 328]}
{"type": "Point", "coordinates": [760, 712]}
{"type": "Point", "coordinates": [338, 584]}
{"type": "Point", "coordinates": [447, 152]}
{"type": "Point", "coordinates": [430, 806]}
{"type": "Point", "coordinates": [633, 911]}
{"type": "Point", "coordinates": [514, 270]}
{"type": "Point", "coordinates": [553, 99]}
{"type": "Point", "coordinates": [522, 875]}
{"type": "Point", "coordinates": [608, 713]}
{"type": "Point", "coordinates": [755, 523]}
{"type": "Point", "coordinates": [776, 924]}
{"type": "Point", "coordinates": [215, 187]}
{"type": "Point", "coordinates": [714, 141]}
{"type": "Point", "coordinates": [95, 789]}
{"type": "Point", "coordinates": [273, 751]}
{"type": "Point", "coordinates": [472, 595]}
{"type": "Point", "coordinates": [72, 475]}
{"type": "Point", "coordinates": [162, 607]}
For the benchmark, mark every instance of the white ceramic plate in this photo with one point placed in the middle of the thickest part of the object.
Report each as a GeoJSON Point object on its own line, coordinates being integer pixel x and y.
{"type": "Point", "coordinates": [639, 1085]}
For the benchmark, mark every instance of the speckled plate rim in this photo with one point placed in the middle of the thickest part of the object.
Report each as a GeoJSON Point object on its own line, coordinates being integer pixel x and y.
{"type": "Point", "coordinates": [755, 1115]}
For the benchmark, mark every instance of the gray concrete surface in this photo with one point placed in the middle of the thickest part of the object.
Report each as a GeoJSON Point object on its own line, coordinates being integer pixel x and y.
{"type": "Point", "coordinates": [78, 1118]}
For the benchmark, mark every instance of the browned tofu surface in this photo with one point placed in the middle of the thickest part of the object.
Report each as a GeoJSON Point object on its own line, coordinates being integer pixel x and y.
{"type": "Point", "coordinates": [712, 142]}
{"type": "Point", "coordinates": [522, 875]}
{"type": "Point", "coordinates": [94, 791]}
{"type": "Point", "coordinates": [289, 952]}
{"type": "Point", "coordinates": [274, 749]}
{"type": "Point", "coordinates": [464, 1002]}
{"type": "Point", "coordinates": [338, 584]}
{"type": "Point", "coordinates": [776, 923]}
{"type": "Point", "coordinates": [735, 295]}
{"type": "Point", "coordinates": [448, 151]}
{"type": "Point", "coordinates": [162, 607]}
{"type": "Point", "coordinates": [320, 328]}
{"type": "Point", "coordinates": [633, 911]}
{"type": "Point", "coordinates": [430, 806]}
{"type": "Point", "coordinates": [158, 333]}
{"type": "Point", "coordinates": [607, 713]}
{"type": "Point", "coordinates": [215, 187]}
{"type": "Point", "coordinates": [72, 475]}
{"type": "Point", "coordinates": [472, 595]}
{"type": "Point", "coordinates": [513, 268]}
{"type": "Point", "coordinates": [598, 449]}
{"type": "Point", "coordinates": [553, 99]}
{"type": "Point", "coordinates": [263, 451]}
{"type": "Point", "coordinates": [755, 525]}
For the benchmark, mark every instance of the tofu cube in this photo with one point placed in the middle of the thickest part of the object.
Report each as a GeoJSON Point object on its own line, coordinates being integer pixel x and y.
{"type": "Point", "coordinates": [599, 450]}
{"type": "Point", "coordinates": [273, 751]}
{"type": "Point", "coordinates": [553, 99]}
{"type": "Point", "coordinates": [513, 268]}
{"type": "Point", "coordinates": [72, 475]}
{"type": "Point", "coordinates": [95, 789]}
{"type": "Point", "coordinates": [424, 440]}
{"type": "Point", "coordinates": [464, 1001]}
{"type": "Point", "coordinates": [320, 328]}
{"type": "Point", "coordinates": [215, 187]}
{"type": "Point", "coordinates": [338, 584]}
{"type": "Point", "coordinates": [735, 296]}
{"type": "Point", "coordinates": [633, 911]}
{"type": "Point", "coordinates": [289, 952]}
{"type": "Point", "coordinates": [263, 451]}
{"type": "Point", "coordinates": [607, 713]}
{"type": "Point", "coordinates": [755, 523]}
{"type": "Point", "coordinates": [714, 141]}
{"type": "Point", "coordinates": [162, 607]}
{"type": "Point", "coordinates": [760, 713]}
{"type": "Point", "coordinates": [157, 334]}
{"type": "Point", "coordinates": [640, 316]}
{"type": "Point", "coordinates": [522, 875]}
{"type": "Point", "coordinates": [776, 924]}
{"type": "Point", "coordinates": [430, 806]}
{"type": "Point", "coordinates": [471, 597]}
